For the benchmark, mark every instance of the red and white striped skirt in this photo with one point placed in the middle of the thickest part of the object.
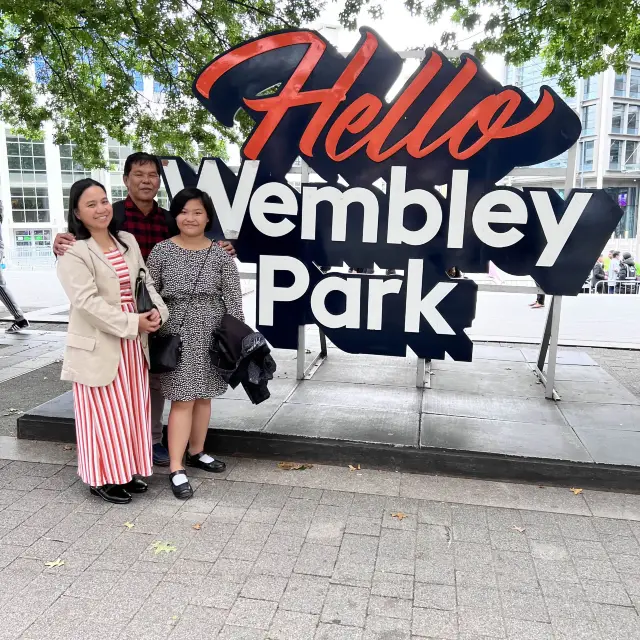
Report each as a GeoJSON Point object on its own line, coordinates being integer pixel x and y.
{"type": "Point", "coordinates": [113, 423]}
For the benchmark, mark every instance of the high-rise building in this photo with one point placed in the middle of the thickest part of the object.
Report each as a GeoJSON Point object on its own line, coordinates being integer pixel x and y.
{"type": "Point", "coordinates": [608, 153]}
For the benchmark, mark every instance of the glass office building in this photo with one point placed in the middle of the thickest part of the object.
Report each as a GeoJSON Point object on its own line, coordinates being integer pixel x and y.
{"type": "Point", "coordinates": [608, 153]}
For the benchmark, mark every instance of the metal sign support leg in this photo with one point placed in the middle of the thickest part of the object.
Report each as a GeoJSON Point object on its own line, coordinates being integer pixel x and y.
{"type": "Point", "coordinates": [549, 345]}
{"type": "Point", "coordinates": [303, 372]}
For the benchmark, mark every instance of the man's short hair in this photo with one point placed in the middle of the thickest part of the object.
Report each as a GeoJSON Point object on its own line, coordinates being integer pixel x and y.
{"type": "Point", "coordinates": [141, 157]}
{"type": "Point", "coordinates": [615, 254]}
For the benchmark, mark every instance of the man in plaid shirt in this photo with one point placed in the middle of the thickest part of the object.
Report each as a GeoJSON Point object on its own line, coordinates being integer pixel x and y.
{"type": "Point", "coordinates": [140, 215]}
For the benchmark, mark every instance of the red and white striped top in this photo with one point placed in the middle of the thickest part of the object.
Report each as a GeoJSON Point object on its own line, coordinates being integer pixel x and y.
{"type": "Point", "coordinates": [122, 271]}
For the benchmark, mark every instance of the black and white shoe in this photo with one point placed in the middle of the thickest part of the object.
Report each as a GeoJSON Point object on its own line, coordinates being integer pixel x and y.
{"type": "Point", "coordinates": [180, 484]}
{"type": "Point", "coordinates": [205, 461]}
{"type": "Point", "coordinates": [18, 326]}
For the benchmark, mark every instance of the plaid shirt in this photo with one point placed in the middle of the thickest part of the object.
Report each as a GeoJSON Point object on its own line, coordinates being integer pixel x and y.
{"type": "Point", "coordinates": [148, 230]}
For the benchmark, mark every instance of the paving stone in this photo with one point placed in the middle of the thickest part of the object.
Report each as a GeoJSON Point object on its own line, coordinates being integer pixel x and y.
{"type": "Point", "coordinates": [316, 559]}
{"type": "Point", "coordinates": [355, 571]}
{"type": "Point", "coordinates": [274, 564]}
{"type": "Point", "coordinates": [435, 596]}
{"type": "Point", "coordinates": [231, 632]}
{"type": "Point", "coordinates": [284, 544]}
{"type": "Point", "coordinates": [400, 544]}
{"type": "Point", "coordinates": [217, 591]}
{"type": "Point", "coordinates": [202, 622]}
{"type": "Point", "coordinates": [528, 630]}
{"type": "Point", "coordinates": [434, 624]}
{"type": "Point", "coordinates": [393, 585]}
{"type": "Point", "coordinates": [587, 569]}
{"type": "Point", "coordinates": [345, 605]}
{"type": "Point", "coordinates": [263, 587]}
{"type": "Point", "coordinates": [469, 555]}
{"type": "Point", "coordinates": [389, 607]}
{"type": "Point", "coordinates": [548, 550]}
{"type": "Point", "coordinates": [94, 585]}
{"type": "Point", "coordinates": [621, 545]}
{"type": "Point", "coordinates": [624, 563]}
{"type": "Point", "coordinates": [22, 536]}
{"type": "Point", "coordinates": [338, 632]}
{"type": "Point", "coordinates": [305, 594]}
{"type": "Point", "coordinates": [524, 606]}
{"type": "Point", "coordinates": [481, 576]}
{"type": "Point", "coordinates": [481, 622]}
{"type": "Point", "coordinates": [471, 533]}
{"type": "Point", "coordinates": [617, 622]}
{"type": "Point", "coordinates": [435, 571]}
{"type": "Point", "coordinates": [576, 527]}
{"type": "Point", "coordinates": [235, 570]}
{"type": "Point", "coordinates": [434, 513]}
{"type": "Point", "coordinates": [576, 629]}
{"type": "Point", "coordinates": [337, 498]}
{"type": "Point", "coordinates": [256, 614]}
{"type": "Point", "coordinates": [606, 592]}
{"type": "Point", "coordinates": [560, 570]}
{"type": "Point", "coordinates": [380, 628]}
{"type": "Point", "coordinates": [326, 532]}
{"type": "Point", "coordinates": [477, 597]}
{"type": "Point", "coordinates": [293, 624]}
{"type": "Point", "coordinates": [586, 549]}
{"type": "Point", "coordinates": [394, 564]}
{"type": "Point", "coordinates": [363, 525]}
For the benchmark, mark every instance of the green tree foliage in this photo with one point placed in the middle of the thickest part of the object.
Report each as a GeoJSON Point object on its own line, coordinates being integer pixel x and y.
{"type": "Point", "coordinates": [575, 38]}
{"type": "Point", "coordinates": [88, 53]}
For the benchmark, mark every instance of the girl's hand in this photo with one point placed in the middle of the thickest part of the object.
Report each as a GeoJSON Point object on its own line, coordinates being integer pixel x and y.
{"type": "Point", "coordinates": [154, 315]}
{"type": "Point", "coordinates": [146, 324]}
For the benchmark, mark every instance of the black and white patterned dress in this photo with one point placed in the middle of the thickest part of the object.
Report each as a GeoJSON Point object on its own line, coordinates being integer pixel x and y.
{"type": "Point", "coordinates": [174, 271]}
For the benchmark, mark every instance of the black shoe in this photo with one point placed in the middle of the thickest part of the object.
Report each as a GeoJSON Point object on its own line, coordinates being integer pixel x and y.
{"type": "Point", "coordinates": [183, 490]}
{"type": "Point", "coordinates": [18, 326]}
{"type": "Point", "coordinates": [114, 493]}
{"type": "Point", "coordinates": [136, 485]}
{"type": "Point", "coordinates": [215, 466]}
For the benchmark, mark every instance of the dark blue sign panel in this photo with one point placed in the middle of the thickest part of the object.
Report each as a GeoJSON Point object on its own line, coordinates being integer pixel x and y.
{"type": "Point", "coordinates": [384, 165]}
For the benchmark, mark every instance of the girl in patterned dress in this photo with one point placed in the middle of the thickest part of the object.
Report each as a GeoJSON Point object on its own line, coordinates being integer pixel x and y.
{"type": "Point", "coordinates": [199, 282]}
{"type": "Point", "coordinates": [106, 355]}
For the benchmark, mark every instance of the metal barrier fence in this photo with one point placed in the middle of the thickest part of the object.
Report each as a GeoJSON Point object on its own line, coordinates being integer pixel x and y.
{"type": "Point", "coordinates": [30, 258]}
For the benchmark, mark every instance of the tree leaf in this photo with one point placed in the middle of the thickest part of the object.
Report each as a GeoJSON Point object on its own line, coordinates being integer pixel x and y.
{"type": "Point", "coordinates": [197, 526]}
{"type": "Point", "coordinates": [354, 467]}
{"type": "Point", "coordinates": [129, 525]}
{"type": "Point", "coordinates": [576, 492]}
{"type": "Point", "coordinates": [518, 529]}
{"type": "Point", "coordinates": [294, 466]}
{"type": "Point", "coordinates": [54, 563]}
{"type": "Point", "coordinates": [399, 515]}
{"type": "Point", "coordinates": [163, 547]}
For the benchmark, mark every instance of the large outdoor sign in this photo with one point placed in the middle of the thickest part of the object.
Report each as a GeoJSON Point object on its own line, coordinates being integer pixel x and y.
{"type": "Point", "coordinates": [384, 165]}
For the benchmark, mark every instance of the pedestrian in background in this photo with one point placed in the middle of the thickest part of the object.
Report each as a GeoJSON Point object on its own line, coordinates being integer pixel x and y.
{"type": "Point", "coordinates": [598, 275]}
{"type": "Point", "coordinates": [19, 321]}
{"type": "Point", "coordinates": [106, 355]}
{"type": "Point", "coordinates": [614, 268]}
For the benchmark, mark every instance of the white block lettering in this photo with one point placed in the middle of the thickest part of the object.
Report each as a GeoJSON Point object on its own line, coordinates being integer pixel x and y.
{"type": "Point", "coordinates": [268, 293]}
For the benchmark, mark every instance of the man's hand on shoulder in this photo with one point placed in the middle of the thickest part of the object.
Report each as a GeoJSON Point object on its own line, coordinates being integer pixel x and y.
{"type": "Point", "coordinates": [228, 247]}
{"type": "Point", "coordinates": [62, 242]}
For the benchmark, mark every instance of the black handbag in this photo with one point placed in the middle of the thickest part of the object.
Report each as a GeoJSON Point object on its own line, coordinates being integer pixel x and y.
{"type": "Point", "coordinates": [165, 351]}
{"type": "Point", "coordinates": [144, 303]}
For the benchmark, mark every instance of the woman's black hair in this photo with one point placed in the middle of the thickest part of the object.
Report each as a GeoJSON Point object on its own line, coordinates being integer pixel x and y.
{"type": "Point", "coordinates": [192, 193]}
{"type": "Point", "coordinates": [76, 226]}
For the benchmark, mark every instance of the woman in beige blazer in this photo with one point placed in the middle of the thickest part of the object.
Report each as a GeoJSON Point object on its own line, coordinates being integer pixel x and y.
{"type": "Point", "coordinates": [107, 353]}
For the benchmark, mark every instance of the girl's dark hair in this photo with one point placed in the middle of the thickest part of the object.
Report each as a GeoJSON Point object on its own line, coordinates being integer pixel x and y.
{"type": "Point", "coordinates": [192, 193]}
{"type": "Point", "coordinates": [76, 226]}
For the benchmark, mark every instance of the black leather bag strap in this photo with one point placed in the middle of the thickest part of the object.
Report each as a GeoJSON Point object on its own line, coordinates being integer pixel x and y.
{"type": "Point", "coordinates": [195, 284]}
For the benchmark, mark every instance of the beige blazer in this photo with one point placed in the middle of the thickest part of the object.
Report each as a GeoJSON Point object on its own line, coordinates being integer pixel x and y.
{"type": "Point", "coordinates": [96, 320]}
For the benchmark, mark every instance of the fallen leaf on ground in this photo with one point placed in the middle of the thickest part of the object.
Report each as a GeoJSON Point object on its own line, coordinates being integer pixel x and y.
{"type": "Point", "coordinates": [163, 547]}
{"type": "Point", "coordinates": [197, 526]}
{"type": "Point", "coordinates": [518, 529]}
{"type": "Point", "coordinates": [576, 492]}
{"type": "Point", "coordinates": [129, 525]}
{"type": "Point", "coordinates": [294, 466]}
{"type": "Point", "coordinates": [13, 412]}
{"type": "Point", "coordinates": [399, 515]}
{"type": "Point", "coordinates": [354, 468]}
{"type": "Point", "coordinates": [67, 447]}
{"type": "Point", "coordinates": [54, 563]}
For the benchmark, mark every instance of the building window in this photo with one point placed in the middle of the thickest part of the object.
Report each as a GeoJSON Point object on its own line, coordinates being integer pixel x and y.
{"type": "Point", "coordinates": [633, 119]}
{"type": "Point", "coordinates": [627, 198]}
{"type": "Point", "coordinates": [65, 202]}
{"type": "Point", "coordinates": [590, 88]}
{"type": "Point", "coordinates": [631, 155]}
{"type": "Point", "coordinates": [163, 198]}
{"type": "Point", "coordinates": [586, 155]}
{"type": "Point", "coordinates": [634, 83]}
{"type": "Point", "coordinates": [589, 120]}
{"type": "Point", "coordinates": [617, 120]}
{"type": "Point", "coordinates": [33, 238]}
{"type": "Point", "coordinates": [620, 85]}
{"type": "Point", "coordinates": [25, 156]}
{"type": "Point", "coordinates": [117, 154]}
{"type": "Point", "coordinates": [70, 168]}
{"type": "Point", "coordinates": [118, 193]}
{"type": "Point", "coordinates": [614, 155]}
{"type": "Point", "coordinates": [30, 204]}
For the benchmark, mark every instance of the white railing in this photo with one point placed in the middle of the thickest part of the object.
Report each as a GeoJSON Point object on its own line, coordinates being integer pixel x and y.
{"type": "Point", "coordinates": [30, 258]}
